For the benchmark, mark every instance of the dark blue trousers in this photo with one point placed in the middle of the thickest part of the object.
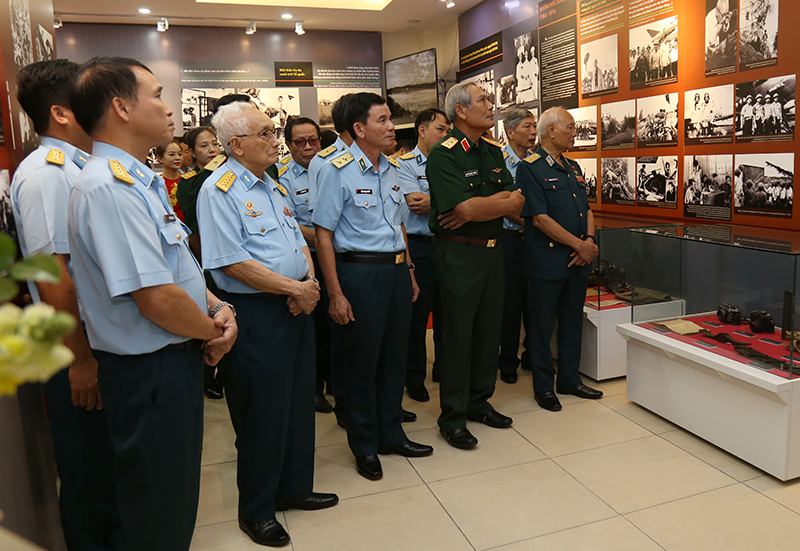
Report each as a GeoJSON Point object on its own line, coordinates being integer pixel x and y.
{"type": "Point", "coordinates": [514, 305]}
{"type": "Point", "coordinates": [427, 302]}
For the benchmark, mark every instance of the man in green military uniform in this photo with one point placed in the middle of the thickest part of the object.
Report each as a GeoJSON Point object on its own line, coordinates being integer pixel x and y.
{"type": "Point", "coordinates": [559, 248]}
{"type": "Point", "coordinates": [471, 192]}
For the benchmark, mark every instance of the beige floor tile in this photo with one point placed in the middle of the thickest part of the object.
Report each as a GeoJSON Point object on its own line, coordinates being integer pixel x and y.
{"type": "Point", "coordinates": [427, 412]}
{"type": "Point", "coordinates": [579, 426]}
{"type": "Point", "coordinates": [642, 473]}
{"type": "Point", "coordinates": [638, 414]}
{"type": "Point", "coordinates": [516, 398]}
{"type": "Point", "coordinates": [409, 519]}
{"type": "Point", "coordinates": [226, 536]}
{"type": "Point", "coordinates": [215, 410]}
{"type": "Point", "coordinates": [328, 433]}
{"type": "Point", "coordinates": [785, 493]}
{"type": "Point", "coordinates": [714, 456]}
{"type": "Point", "coordinates": [219, 442]}
{"type": "Point", "coordinates": [610, 387]}
{"type": "Point", "coordinates": [616, 534]}
{"type": "Point", "coordinates": [496, 448]}
{"type": "Point", "coordinates": [517, 503]}
{"type": "Point", "coordinates": [219, 497]}
{"type": "Point", "coordinates": [335, 471]}
{"type": "Point", "coordinates": [735, 518]}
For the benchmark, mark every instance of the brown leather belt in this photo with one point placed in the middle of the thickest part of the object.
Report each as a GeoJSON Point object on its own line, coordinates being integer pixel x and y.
{"type": "Point", "coordinates": [475, 241]}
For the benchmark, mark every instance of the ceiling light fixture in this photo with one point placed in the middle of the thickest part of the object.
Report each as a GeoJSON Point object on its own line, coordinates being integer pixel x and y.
{"type": "Point", "coordinates": [450, 4]}
{"type": "Point", "coordinates": [286, 16]}
{"type": "Point", "coordinates": [144, 10]}
{"type": "Point", "coordinates": [162, 25]}
{"type": "Point", "coordinates": [298, 28]}
{"type": "Point", "coordinates": [57, 22]}
{"type": "Point", "coordinates": [251, 28]}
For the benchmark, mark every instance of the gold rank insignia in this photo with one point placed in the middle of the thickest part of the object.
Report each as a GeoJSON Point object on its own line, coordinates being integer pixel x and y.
{"type": "Point", "coordinates": [226, 181]}
{"type": "Point", "coordinates": [505, 155]}
{"type": "Point", "coordinates": [190, 174]}
{"type": "Point", "coordinates": [282, 171]}
{"type": "Point", "coordinates": [449, 143]}
{"type": "Point", "coordinates": [216, 162]}
{"type": "Point", "coordinates": [327, 151]}
{"type": "Point", "coordinates": [342, 160]}
{"type": "Point", "coordinates": [491, 141]}
{"type": "Point", "coordinates": [393, 162]}
{"type": "Point", "coordinates": [531, 158]}
{"type": "Point", "coordinates": [120, 173]}
{"type": "Point", "coordinates": [407, 156]}
{"type": "Point", "coordinates": [285, 160]}
{"type": "Point", "coordinates": [282, 189]}
{"type": "Point", "coordinates": [56, 156]}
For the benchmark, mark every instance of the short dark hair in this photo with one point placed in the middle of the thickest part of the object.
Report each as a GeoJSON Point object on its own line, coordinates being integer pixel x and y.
{"type": "Point", "coordinates": [339, 113]}
{"type": "Point", "coordinates": [192, 135]}
{"type": "Point", "coordinates": [426, 117]}
{"type": "Point", "coordinates": [230, 98]}
{"type": "Point", "coordinates": [358, 110]}
{"type": "Point", "coordinates": [408, 145]}
{"type": "Point", "coordinates": [42, 85]}
{"type": "Point", "coordinates": [98, 82]}
{"type": "Point", "coordinates": [294, 121]}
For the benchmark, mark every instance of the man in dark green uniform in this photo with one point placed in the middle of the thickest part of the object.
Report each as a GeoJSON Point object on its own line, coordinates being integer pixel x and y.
{"type": "Point", "coordinates": [559, 248]}
{"type": "Point", "coordinates": [471, 192]}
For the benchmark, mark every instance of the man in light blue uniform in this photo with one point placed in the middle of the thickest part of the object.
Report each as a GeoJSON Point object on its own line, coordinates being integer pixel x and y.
{"type": "Point", "coordinates": [431, 126]}
{"type": "Point", "coordinates": [147, 310]}
{"type": "Point", "coordinates": [39, 190]}
{"type": "Point", "coordinates": [520, 129]}
{"type": "Point", "coordinates": [253, 247]}
{"type": "Point", "coordinates": [362, 251]}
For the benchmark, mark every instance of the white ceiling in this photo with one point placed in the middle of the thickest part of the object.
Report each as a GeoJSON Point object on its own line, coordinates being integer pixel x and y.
{"type": "Point", "coordinates": [431, 14]}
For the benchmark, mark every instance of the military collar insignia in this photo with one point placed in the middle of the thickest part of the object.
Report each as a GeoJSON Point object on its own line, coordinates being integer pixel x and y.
{"type": "Point", "coordinates": [342, 160]}
{"type": "Point", "coordinates": [226, 181]}
{"type": "Point", "coordinates": [297, 170]}
{"type": "Point", "coordinates": [420, 159]}
{"type": "Point", "coordinates": [491, 141]}
{"type": "Point", "coordinates": [327, 151]}
{"type": "Point", "coordinates": [407, 156]}
{"type": "Point", "coordinates": [531, 158]}
{"type": "Point", "coordinates": [139, 173]}
{"type": "Point", "coordinates": [190, 174]}
{"type": "Point", "coordinates": [450, 143]}
{"type": "Point", "coordinates": [505, 155]}
{"type": "Point", "coordinates": [216, 162]}
{"type": "Point", "coordinates": [119, 172]}
{"type": "Point", "coordinates": [246, 177]}
{"type": "Point", "coordinates": [362, 164]}
{"type": "Point", "coordinates": [550, 160]}
{"type": "Point", "coordinates": [285, 160]}
{"type": "Point", "coordinates": [465, 145]}
{"type": "Point", "coordinates": [55, 156]}
{"type": "Point", "coordinates": [80, 158]}
{"type": "Point", "coordinates": [513, 161]}
{"type": "Point", "coordinates": [282, 171]}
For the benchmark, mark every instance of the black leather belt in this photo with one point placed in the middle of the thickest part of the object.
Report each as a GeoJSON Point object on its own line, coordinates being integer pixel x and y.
{"type": "Point", "coordinates": [373, 258]}
{"type": "Point", "coordinates": [185, 345]}
{"type": "Point", "coordinates": [512, 233]}
{"type": "Point", "coordinates": [418, 237]}
{"type": "Point", "coordinates": [475, 241]}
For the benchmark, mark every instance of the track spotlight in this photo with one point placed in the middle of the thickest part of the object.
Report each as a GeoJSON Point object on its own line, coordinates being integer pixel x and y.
{"type": "Point", "coordinates": [251, 28]}
{"type": "Point", "coordinates": [298, 28]}
{"type": "Point", "coordinates": [57, 22]}
{"type": "Point", "coordinates": [162, 25]}
{"type": "Point", "coordinates": [450, 4]}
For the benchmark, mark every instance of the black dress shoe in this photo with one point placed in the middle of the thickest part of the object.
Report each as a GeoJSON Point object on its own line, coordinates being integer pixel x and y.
{"type": "Point", "coordinates": [494, 419]}
{"type": "Point", "coordinates": [548, 400]}
{"type": "Point", "coordinates": [508, 376]}
{"type": "Point", "coordinates": [409, 416]}
{"type": "Point", "coordinates": [418, 392]}
{"type": "Point", "coordinates": [265, 532]}
{"type": "Point", "coordinates": [322, 405]}
{"type": "Point", "coordinates": [459, 438]}
{"type": "Point", "coordinates": [314, 502]}
{"type": "Point", "coordinates": [406, 449]}
{"type": "Point", "coordinates": [369, 466]}
{"type": "Point", "coordinates": [582, 391]}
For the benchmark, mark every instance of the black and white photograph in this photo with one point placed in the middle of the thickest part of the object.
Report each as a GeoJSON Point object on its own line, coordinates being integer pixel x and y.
{"type": "Point", "coordinates": [21, 33]}
{"type": "Point", "coordinates": [326, 97]}
{"type": "Point", "coordinates": [28, 137]}
{"type": "Point", "coordinates": [485, 81]}
{"type": "Point", "coordinates": [6, 214]}
{"type": "Point", "coordinates": [657, 182]}
{"type": "Point", "coordinates": [758, 34]}
{"type": "Point", "coordinates": [526, 69]}
{"type": "Point", "coordinates": [767, 184]}
{"type": "Point", "coordinates": [618, 180]}
{"type": "Point", "coordinates": [708, 115]}
{"type": "Point", "coordinates": [411, 85]}
{"type": "Point", "coordinates": [657, 121]}
{"type": "Point", "coordinates": [707, 186]}
{"type": "Point", "coordinates": [765, 110]}
{"type": "Point", "coordinates": [506, 89]}
{"type": "Point", "coordinates": [589, 169]}
{"type": "Point", "coordinates": [618, 125]}
{"type": "Point", "coordinates": [600, 67]}
{"type": "Point", "coordinates": [653, 56]}
{"type": "Point", "coordinates": [44, 45]}
{"type": "Point", "coordinates": [722, 27]}
{"type": "Point", "coordinates": [585, 127]}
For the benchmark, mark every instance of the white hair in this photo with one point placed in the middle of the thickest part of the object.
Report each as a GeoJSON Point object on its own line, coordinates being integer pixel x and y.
{"type": "Point", "coordinates": [458, 95]}
{"type": "Point", "coordinates": [551, 116]}
{"type": "Point", "coordinates": [231, 121]}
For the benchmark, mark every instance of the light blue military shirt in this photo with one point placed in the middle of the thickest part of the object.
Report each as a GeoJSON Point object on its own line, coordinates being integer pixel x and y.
{"type": "Point", "coordinates": [411, 174]}
{"type": "Point", "coordinates": [302, 191]}
{"type": "Point", "coordinates": [124, 236]}
{"type": "Point", "coordinates": [39, 191]}
{"type": "Point", "coordinates": [249, 221]}
{"type": "Point", "coordinates": [512, 162]}
{"type": "Point", "coordinates": [363, 206]}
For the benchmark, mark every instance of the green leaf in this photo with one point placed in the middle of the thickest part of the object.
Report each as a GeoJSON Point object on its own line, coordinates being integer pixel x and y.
{"type": "Point", "coordinates": [8, 289]}
{"type": "Point", "coordinates": [39, 267]}
{"type": "Point", "coordinates": [8, 250]}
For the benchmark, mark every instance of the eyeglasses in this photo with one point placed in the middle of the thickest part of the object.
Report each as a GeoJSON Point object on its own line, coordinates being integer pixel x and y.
{"type": "Point", "coordinates": [301, 142]}
{"type": "Point", "coordinates": [266, 135]}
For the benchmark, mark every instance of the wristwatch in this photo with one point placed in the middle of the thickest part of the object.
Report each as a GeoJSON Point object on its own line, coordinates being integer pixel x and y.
{"type": "Point", "coordinates": [592, 238]}
{"type": "Point", "coordinates": [307, 277]}
{"type": "Point", "coordinates": [412, 266]}
{"type": "Point", "coordinates": [219, 306]}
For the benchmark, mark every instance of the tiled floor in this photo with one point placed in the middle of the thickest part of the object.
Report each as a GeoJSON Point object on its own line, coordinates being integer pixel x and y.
{"type": "Point", "coordinates": [604, 475]}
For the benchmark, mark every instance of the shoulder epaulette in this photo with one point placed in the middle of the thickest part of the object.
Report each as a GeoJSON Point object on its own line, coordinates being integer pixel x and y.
{"type": "Point", "coordinates": [531, 158]}
{"type": "Point", "coordinates": [491, 141]}
{"type": "Point", "coordinates": [392, 162]}
{"type": "Point", "coordinates": [55, 156]}
{"type": "Point", "coordinates": [282, 171]}
{"type": "Point", "coordinates": [216, 162]}
{"type": "Point", "coordinates": [449, 143]}
{"type": "Point", "coordinates": [327, 151]}
{"type": "Point", "coordinates": [342, 160]}
{"type": "Point", "coordinates": [285, 160]}
{"type": "Point", "coordinates": [120, 173]}
{"type": "Point", "coordinates": [505, 155]}
{"type": "Point", "coordinates": [191, 174]}
{"type": "Point", "coordinates": [226, 181]}
{"type": "Point", "coordinates": [408, 156]}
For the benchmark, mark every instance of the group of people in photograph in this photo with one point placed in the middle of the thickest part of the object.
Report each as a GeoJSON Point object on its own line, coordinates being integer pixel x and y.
{"type": "Point", "coordinates": [655, 61]}
{"type": "Point", "coordinates": [760, 115]}
{"type": "Point", "coordinates": [707, 189]}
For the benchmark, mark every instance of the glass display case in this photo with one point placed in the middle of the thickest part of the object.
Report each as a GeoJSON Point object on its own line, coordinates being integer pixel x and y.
{"type": "Point", "coordinates": [710, 342]}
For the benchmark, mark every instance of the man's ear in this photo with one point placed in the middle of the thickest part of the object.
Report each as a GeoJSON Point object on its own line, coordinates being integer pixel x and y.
{"type": "Point", "coordinates": [58, 114]}
{"type": "Point", "coordinates": [359, 130]}
{"type": "Point", "coordinates": [122, 108]}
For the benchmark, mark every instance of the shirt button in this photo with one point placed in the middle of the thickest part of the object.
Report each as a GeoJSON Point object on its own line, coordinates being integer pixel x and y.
{"type": "Point", "coordinates": [554, 187]}
{"type": "Point", "coordinates": [581, 215]}
{"type": "Point", "coordinates": [178, 235]}
{"type": "Point", "coordinates": [551, 244]}
{"type": "Point", "coordinates": [262, 230]}
{"type": "Point", "coordinates": [574, 195]}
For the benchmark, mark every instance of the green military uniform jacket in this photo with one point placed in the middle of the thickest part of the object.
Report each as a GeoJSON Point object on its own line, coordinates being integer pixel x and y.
{"type": "Point", "coordinates": [459, 169]}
